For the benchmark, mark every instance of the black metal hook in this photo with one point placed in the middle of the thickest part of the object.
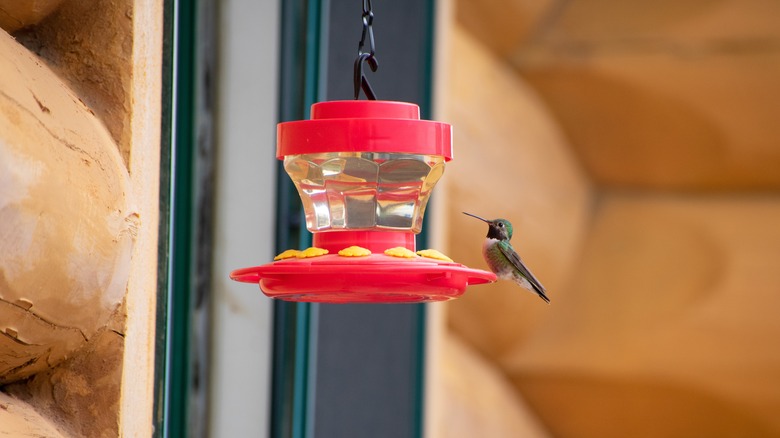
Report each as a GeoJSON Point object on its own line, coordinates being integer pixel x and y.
{"type": "Point", "coordinates": [360, 80]}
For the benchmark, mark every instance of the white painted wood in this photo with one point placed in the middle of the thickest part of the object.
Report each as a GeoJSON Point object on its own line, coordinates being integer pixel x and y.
{"type": "Point", "coordinates": [244, 220]}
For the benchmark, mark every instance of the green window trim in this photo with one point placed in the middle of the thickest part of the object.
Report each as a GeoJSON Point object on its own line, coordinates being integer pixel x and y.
{"type": "Point", "coordinates": [307, 29]}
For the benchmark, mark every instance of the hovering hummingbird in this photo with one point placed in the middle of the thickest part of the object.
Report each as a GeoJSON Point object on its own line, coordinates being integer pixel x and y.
{"type": "Point", "coordinates": [503, 259]}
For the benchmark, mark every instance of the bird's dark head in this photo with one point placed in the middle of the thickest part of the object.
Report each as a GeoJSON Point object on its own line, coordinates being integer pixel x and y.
{"type": "Point", "coordinates": [500, 229]}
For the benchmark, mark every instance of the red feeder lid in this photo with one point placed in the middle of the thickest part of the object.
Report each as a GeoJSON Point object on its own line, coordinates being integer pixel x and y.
{"type": "Point", "coordinates": [364, 126]}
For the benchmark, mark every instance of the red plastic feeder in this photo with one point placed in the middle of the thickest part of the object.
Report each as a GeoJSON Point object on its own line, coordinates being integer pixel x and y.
{"type": "Point", "coordinates": [364, 171]}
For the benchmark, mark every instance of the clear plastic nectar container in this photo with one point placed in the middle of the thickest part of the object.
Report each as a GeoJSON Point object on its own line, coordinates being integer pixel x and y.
{"type": "Point", "coordinates": [364, 190]}
{"type": "Point", "coordinates": [364, 165]}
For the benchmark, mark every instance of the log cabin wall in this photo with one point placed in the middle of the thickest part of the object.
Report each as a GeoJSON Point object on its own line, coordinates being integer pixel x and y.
{"type": "Point", "coordinates": [633, 145]}
{"type": "Point", "coordinates": [80, 112]}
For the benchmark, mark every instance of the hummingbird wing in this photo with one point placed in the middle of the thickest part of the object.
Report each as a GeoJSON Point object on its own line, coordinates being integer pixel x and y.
{"type": "Point", "coordinates": [511, 255]}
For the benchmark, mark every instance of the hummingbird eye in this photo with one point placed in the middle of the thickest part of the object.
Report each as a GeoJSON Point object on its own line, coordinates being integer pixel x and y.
{"type": "Point", "coordinates": [501, 224]}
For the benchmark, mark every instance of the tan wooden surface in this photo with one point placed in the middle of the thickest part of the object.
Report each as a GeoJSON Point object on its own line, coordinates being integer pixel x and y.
{"type": "Point", "coordinates": [634, 146]}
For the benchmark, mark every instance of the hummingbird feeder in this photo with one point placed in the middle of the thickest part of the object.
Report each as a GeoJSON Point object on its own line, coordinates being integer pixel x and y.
{"type": "Point", "coordinates": [364, 170]}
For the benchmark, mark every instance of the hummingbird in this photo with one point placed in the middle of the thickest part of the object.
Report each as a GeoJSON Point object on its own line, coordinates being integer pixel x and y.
{"type": "Point", "coordinates": [503, 259]}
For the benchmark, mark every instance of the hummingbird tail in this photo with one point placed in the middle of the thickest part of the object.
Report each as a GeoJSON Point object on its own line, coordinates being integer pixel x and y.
{"type": "Point", "coordinates": [532, 286]}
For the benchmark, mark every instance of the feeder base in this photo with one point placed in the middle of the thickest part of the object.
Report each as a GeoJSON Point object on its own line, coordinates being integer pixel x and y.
{"type": "Point", "coordinates": [372, 279]}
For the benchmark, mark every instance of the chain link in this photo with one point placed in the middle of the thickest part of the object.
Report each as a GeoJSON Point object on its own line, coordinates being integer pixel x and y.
{"type": "Point", "coordinates": [369, 57]}
{"type": "Point", "coordinates": [368, 21]}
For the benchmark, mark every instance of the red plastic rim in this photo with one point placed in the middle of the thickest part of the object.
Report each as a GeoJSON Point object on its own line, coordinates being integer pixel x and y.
{"type": "Point", "coordinates": [374, 241]}
{"type": "Point", "coordinates": [371, 279]}
{"type": "Point", "coordinates": [364, 126]}
{"type": "Point", "coordinates": [365, 109]}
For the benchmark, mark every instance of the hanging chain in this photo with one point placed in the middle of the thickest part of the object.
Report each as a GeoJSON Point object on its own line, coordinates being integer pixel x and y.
{"type": "Point", "coordinates": [369, 57]}
{"type": "Point", "coordinates": [368, 21]}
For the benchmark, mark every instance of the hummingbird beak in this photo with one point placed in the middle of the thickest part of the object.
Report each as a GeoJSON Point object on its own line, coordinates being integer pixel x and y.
{"type": "Point", "coordinates": [475, 216]}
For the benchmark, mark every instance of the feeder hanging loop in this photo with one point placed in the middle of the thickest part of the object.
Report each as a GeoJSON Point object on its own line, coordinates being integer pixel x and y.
{"type": "Point", "coordinates": [368, 57]}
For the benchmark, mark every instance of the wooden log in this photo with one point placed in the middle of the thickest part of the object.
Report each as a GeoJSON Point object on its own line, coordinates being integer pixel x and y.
{"type": "Point", "coordinates": [66, 226]}
{"type": "Point", "coordinates": [15, 15]}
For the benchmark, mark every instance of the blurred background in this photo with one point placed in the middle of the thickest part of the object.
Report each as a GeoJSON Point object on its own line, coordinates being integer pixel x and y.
{"type": "Point", "coordinates": [634, 146]}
